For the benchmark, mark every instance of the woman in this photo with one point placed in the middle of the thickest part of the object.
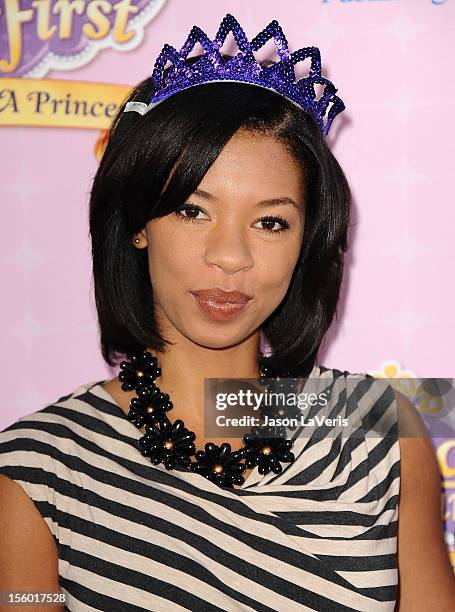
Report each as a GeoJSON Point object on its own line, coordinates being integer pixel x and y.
{"type": "Point", "coordinates": [219, 221]}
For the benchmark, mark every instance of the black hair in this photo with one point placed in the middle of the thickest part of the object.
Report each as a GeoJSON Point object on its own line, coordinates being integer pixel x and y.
{"type": "Point", "coordinates": [188, 130]}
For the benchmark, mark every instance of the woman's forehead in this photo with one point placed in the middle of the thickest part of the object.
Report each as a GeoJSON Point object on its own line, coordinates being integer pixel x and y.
{"type": "Point", "coordinates": [259, 164]}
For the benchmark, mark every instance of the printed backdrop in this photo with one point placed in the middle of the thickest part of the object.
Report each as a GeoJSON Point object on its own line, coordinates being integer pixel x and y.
{"type": "Point", "coordinates": [65, 66]}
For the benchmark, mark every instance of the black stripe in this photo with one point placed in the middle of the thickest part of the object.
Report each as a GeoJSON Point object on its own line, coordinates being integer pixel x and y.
{"type": "Point", "coordinates": [315, 469]}
{"type": "Point", "coordinates": [379, 532]}
{"type": "Point", "coordinates": [379, 491]}
{"type": "Point", "coordinates": [374, 458]}
{"type": "Point", "coordinates": [381, 593]}
{"type": "Point", "coordinates": [360, 564]}
{"type": "Point", "coordinates": [336, 517]}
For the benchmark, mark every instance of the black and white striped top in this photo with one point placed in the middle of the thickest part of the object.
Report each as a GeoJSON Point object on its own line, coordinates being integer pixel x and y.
{"type": "Point", "coordinates": [322, 535]}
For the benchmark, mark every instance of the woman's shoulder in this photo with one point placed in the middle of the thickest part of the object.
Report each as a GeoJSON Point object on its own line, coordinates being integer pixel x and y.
{"type": "Point", "coordinates": [324, 372]}
{"type": "Point", "coordinates": [51, 428]}
{"type": "Point", "coordinates": [368, 409]}
{"type": "Point", "coordinates": [334, 372]}
{"type": "Point", "coordinates": [50, 411]}
{"type": "Point", "coordinates": [37, 451]}
{"type": "Point", "coordinates": [355, 386]}
{"type": "Point", "coordinates": [49, 447]}
{"type": "Point", "coordinates": [409, 421]}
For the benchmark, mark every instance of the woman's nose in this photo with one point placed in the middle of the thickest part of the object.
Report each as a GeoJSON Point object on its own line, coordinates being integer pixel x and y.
{"type": "Point", "coordinates": [228, 248]}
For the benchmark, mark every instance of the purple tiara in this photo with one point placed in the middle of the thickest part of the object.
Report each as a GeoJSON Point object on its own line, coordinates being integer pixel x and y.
{"type": "Point", "coordinates": [243, 68]}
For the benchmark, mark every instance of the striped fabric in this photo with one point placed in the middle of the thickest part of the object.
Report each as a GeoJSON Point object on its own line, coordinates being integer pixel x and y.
{"type": "Point", "coordinates": [322, 535]}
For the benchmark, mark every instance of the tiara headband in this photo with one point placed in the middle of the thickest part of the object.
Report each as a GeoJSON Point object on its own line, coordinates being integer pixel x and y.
{"type": "Point", "coordinates": [243, 68]}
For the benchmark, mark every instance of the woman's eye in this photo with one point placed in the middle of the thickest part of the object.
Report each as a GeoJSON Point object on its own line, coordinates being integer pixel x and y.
{"type": "Point", "coordinates": [271, 222]}
{"type": "Point", "coordinates": [192, 210]}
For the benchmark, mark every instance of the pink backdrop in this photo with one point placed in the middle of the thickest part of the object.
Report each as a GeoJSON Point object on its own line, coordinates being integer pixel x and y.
{"type": "Point", "coordinates": [392, 62]}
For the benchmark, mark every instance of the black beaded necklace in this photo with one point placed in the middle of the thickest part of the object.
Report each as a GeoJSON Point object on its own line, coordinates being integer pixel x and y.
{"type": "Point", "coordinates": [172, 444]}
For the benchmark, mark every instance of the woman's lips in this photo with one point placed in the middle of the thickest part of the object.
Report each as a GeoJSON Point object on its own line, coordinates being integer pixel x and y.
{"type": "Point", "coordinates": [222, 295]}
{"type": "Point", "coordinates": [217, 310]}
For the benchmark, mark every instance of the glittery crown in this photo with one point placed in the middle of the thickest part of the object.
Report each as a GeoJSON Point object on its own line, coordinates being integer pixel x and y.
{"type": "Point", "coordinates": [212, 66]}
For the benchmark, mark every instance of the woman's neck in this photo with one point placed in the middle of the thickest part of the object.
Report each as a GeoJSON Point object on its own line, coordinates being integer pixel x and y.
{"type": "Point", "coordinates": [183, 371]}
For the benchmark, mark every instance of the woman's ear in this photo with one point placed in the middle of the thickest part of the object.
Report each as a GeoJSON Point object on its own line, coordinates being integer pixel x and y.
{"type": "Point", "coordinates": [140, 239]}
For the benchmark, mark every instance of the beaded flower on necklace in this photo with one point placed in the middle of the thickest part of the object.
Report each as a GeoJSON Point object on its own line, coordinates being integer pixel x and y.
{"type": "Point", "coordinates": [172, 444]}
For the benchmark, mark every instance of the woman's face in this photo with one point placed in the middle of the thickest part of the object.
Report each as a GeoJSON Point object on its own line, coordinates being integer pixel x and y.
{"type": "Point", "coordinates": [221, 238]}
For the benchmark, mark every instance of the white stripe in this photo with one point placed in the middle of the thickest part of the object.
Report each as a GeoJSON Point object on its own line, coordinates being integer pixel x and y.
{"type": "Point", "coordinates": [75, 605]}
{"type": "Point", "coordinates": [371, 579]}
{"type": "Point", "coordinates": [350, 548]}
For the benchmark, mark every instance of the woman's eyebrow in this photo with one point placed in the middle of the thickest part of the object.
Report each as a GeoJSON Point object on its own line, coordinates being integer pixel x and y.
{"type": "Point", "coordinates": [204, 194]}
{"type": "Point", "coordinates": [277, 202]}
{"type": "Point", "coordinates": [261, 204]}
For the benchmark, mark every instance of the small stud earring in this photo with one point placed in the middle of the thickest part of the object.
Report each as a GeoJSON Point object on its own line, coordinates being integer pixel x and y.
{"type": "Point", "coordinates": [136, 240]}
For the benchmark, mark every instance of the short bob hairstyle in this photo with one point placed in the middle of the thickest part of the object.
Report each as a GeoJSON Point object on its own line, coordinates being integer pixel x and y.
{"type": "Point", "coordinates": [188, 130]}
